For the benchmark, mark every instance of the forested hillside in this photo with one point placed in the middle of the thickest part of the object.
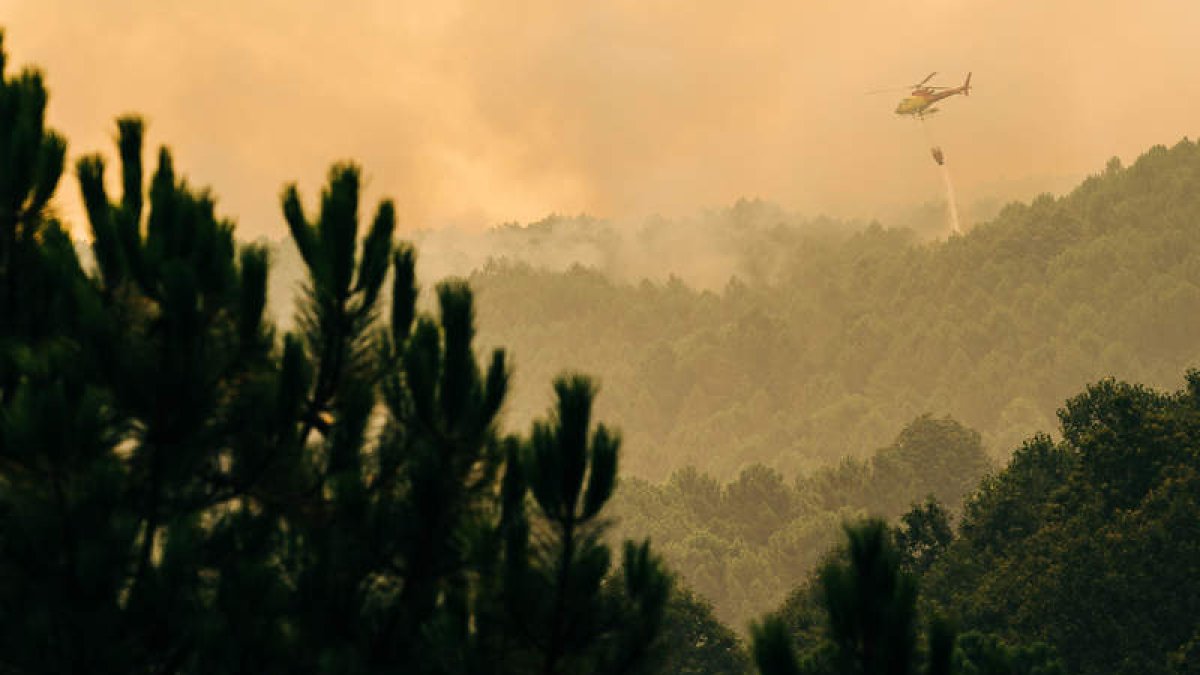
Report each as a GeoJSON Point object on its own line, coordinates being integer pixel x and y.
{"type": "Point", "coordinates": [744, 408]}
{"type": "Point", "coordinates": [794, 342]}
{"type": "Point", "coordinates": [745, 544]}
{"type": "Point", "coordinates": [852, 336]}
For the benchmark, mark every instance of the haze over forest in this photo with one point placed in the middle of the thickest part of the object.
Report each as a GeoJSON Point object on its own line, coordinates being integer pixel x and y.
{"type": "Point", "coordinates": [599, 338]}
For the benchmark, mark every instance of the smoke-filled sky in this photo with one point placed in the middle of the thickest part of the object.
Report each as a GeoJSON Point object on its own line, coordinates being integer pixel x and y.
{"type": "Point", "coordinates": [473, 112]}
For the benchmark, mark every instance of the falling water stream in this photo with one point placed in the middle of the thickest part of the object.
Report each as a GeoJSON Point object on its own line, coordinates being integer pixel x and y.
{"type": "Point", "coordinates": [951, 200]}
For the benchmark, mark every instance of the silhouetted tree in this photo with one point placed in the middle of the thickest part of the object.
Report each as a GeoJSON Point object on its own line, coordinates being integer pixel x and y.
{"type": "Point", "coordinates": [33, 246]}
{"type": "Point", "coordinates": [182, 492]}
{"type": "Point", "coordinates": [870, 605]}
{"type": "Point", "coordinates": [121, 429]}
{"type": "Point", "coordinates": [581, 619]}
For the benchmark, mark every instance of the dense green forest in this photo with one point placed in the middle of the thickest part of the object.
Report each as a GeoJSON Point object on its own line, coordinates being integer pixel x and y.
{"type": "Point", "coordinates": [794, 342]}
{"type": "Point", "coordinates": [187, 487]}
{"type": "Point", "coordinates": [1080, 556]}
{"type": "Point", "coordinates": [745, 544]}
{"type": "Point", "coordinates": [848, 336]}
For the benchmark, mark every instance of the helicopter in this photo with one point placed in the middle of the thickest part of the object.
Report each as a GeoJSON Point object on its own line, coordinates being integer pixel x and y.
{"type": "Point", "coordinates": [920, 102]}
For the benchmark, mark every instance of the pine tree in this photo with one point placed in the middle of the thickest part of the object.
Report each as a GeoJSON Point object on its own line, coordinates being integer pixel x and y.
{"type": "Point", "coordinates": [120, 433]}
{"type": "Point", "coordinates": [33, 246]}
{"type": "Point", "coordinates": [581, 619]}
{"type": "Point", "coordinates": [181, 491]}
{"type": "Point", "coordinates": [870, 602]}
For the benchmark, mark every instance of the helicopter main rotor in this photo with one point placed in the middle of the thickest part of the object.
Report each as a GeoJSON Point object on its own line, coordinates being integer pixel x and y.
{"type": "Point", "coordinates": [912, 87]}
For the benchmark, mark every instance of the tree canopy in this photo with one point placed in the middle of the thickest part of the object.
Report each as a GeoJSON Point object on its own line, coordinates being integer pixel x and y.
{"type": "Point", "coordinates": [745, 543]}
{"type": "Point", "coordinates": [1089, 544]}
{"type": "Point", "coordinates": [832, 336]}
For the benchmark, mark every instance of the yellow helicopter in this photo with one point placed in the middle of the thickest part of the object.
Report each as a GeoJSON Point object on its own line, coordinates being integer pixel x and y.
{"type": "Point", "coordinates": [920, 102]}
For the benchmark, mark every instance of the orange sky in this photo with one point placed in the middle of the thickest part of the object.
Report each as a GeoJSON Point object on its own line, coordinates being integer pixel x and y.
{"type": "Point", "coordinates": [476, 112]}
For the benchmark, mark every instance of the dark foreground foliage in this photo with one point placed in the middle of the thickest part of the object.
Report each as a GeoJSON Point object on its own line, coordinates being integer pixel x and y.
{"type": "Point", "coordinates": [1080, 556]}
{"type": "Point", "coordinates": [859, 615]}
{"type": "Point", "coordinates": [182, 490]}
{"type": "Point", "coordinates": [1090, 544]}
